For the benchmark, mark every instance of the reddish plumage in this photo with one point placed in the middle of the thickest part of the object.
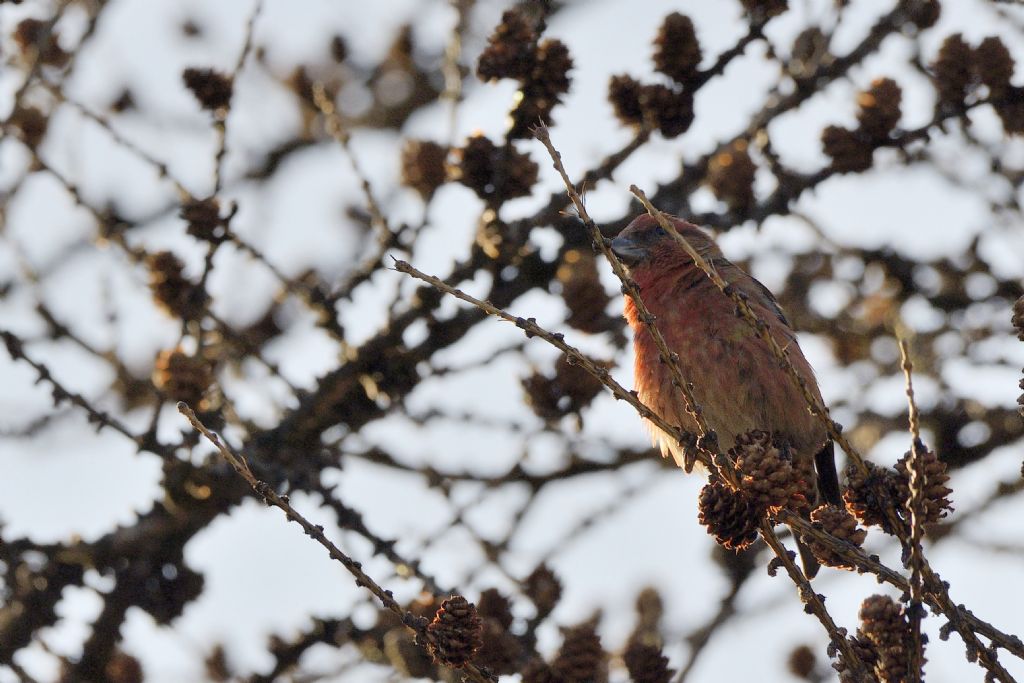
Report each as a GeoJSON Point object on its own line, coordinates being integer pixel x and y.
{"type": "Point", "coordinates": [737, 382]}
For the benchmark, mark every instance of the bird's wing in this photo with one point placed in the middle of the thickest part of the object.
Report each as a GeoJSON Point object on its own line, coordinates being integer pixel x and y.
{"type": "Point", "coordinates": [771, 303]}
{"type": "Point", "coordinates": [763, 295]}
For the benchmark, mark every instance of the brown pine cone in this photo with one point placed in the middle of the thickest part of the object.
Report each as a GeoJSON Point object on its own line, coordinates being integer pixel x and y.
{"type": "Point", "coordinates": [583, 293]}
{"type": "Point", "coordinates": [495, 174]}
{"type": "Point", "coordinates": [649, 609]}
{"type": "Point", "coordinates": [544, 397]}
{"type": "Point", "coordinates": [474, 164]}
{"type": "Point", "coordinates": [994, 65]}
{"type": "Point", "coordinates": [676, 48]}
{"type": "Point", "coordinates": [455, 633]}
{"type": "Point", "coordinates": [646, 663]}
{"type": "Point", "coordinates": [879, 109]}
{"type": "Point", "coordinates": [211, 89]}
{"type": "Point", "coordinates": [123, 668]}
{"type": "Point", "coordinates": [499, 651]}
{"type": "Point", "coordinates": [543, 89]}
{"type": "Point", "coordinates": [866, 653]}
{"type": "Point", "coordinates": [183, 377]}
{"type": "Point", "coordinates": [807, 477]}
{"type": "Point", "coordinates": [670, 110]}
{"type": "Point", "coordinates": [567, 393]}
{"type": "Point", "coordinates": [30, 123]}
{"type": "Point", "coordinates": [538, 671]}
{"type": "Point", "coordinates": [935, 499]}
{"type": "Point", "coordinates": [41, 40]}
{"type": "Point", "coordinates": [954, 71]}
{"type": "Point", "coordinates": [510, 49]}
{"type": "Point", "coordinates": [810, 47]}
{"type": "Point", "coordinates": [423, 166]}
{"type": "Point", "coordinates": [579, 385]}
{"type": "Point", "coordinates": [408, 658]}
{"type": "Point", "coordinates": [802, 662]}
{"type": "Point", "coordinates": [204, 220]}
{"type": "Point", "coordinates": [1011, 111]}
{"type": "Point", "coordinates": [850, 151]}
{"type": "Point", "coordinates": [543, 587]}
{"type": "Point", "coordinates": [885, 626]}
{"type": "Point", "coordinates": [867, 497]}
{"type": "Point", "coordinates": [764, 466]}
{"type": "Point", "coordinates": [731, 176]}
{"type": "Point", "coordinates": [551, 74]}
{"type": "Point", "coordinates": [925, 13]}
{"type": "Point", "coordinates": [174, 292]}
{"type": "Point", "coordinates": [581, 657]}
{"type": "Point", "coordinates": [492, 604]}
{"type": "Point", "coordinates": [216, 665]}
{"type": "Point", "coordinates": [762, 10]}
{"type": "Point", "coordinates": [839, 523]}
{"type": "Point", "coordinates": [624, 92]}
{"type": "Point", "coordinates": [729, 515]}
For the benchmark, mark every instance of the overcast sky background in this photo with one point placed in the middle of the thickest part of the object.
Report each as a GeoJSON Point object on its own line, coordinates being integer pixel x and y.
{"type": "Point", "coordinates": [262, 575]}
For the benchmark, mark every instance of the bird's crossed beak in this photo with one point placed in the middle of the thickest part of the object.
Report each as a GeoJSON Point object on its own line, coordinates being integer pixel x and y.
{"type": "Point", "coordinates": [628, 251]}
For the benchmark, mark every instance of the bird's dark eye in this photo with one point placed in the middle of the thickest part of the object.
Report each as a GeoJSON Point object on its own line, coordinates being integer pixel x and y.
{"type": "Point", "coordinates": [659, 231]}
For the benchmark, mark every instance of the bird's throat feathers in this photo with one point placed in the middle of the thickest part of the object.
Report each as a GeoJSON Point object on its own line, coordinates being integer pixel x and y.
{"type": "Point", "coordinates": [661, 285]}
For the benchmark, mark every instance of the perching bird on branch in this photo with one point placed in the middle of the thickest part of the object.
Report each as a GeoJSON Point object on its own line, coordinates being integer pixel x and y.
{"type": "Point", "coordinates": [738, 384]}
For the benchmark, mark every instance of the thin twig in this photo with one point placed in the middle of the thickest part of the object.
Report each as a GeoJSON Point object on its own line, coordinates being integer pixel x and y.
{"type": "Point", "coordinates": [103, 122]}
{"type": "Point", "coordinates": [336, 129]}
{"type": "Point", "coordinates": [704, 452]}
{"type": "Point", "coordinates": [856, 557]}
{"type": "Point", "coordinates": [220, 122]}
{"type": "Point", "coordinates": [45, 34]}
{"type": "Point", "coordinates": [450, 66]}
{"type": "Point", "coordinates": [813, 603]}
{"type": "Point", "coordinates": [60, 394]}
{"type": "Point", "coordinates": [914, 504]}
{"type": "Point", "coordinates": [416, 624]}
{"type": "Point", "coordinates": [556, 339]}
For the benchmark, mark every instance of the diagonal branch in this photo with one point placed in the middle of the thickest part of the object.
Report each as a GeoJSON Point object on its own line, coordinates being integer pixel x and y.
{"type": "Point", "coordinates": [417, 625]}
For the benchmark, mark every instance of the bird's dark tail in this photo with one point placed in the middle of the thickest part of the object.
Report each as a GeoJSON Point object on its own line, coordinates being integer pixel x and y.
{"type": "Point", "coordinates": [807, 559]}
{"type": "Point", "coordinates": [828, 480]}
{"type": "Point", "coordinates": [828, 490]}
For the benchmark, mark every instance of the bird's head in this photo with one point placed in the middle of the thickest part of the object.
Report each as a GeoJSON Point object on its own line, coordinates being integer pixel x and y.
{"type": "Point", "coordinates": [644, 246]}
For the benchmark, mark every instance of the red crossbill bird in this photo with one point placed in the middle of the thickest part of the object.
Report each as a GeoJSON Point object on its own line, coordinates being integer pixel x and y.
{"type": "Point", "coordinates": [738, 383]}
